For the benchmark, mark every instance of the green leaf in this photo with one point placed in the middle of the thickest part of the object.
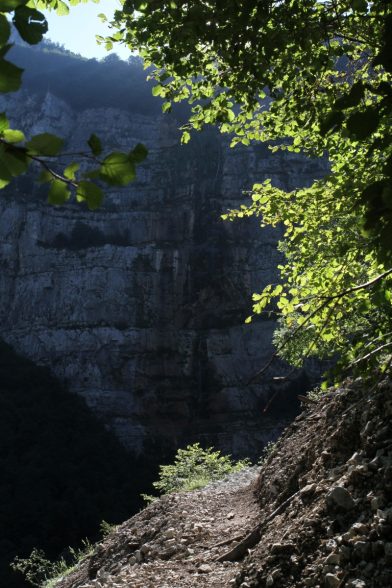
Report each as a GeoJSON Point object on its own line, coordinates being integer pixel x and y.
{"type": "Point", "coordinates": [59, 193]}
{"type": "Point", "coordinates": [10, 5]}
{"type": "Point", "coordinates": [362, 124]}
{"type": "Point", "coordinates": [13, 136]}
{"type": "Point", "coordinates": [156, 91]}
{"type": "Point", "coordinates": [185, 138]}
{"type": "Point", "coordinates": [360, 5]}
{"type": "Point", "coordinates": [4, 123]}
{"type": "Point", "coordinates": [139, 153]}
{"type": "Point", "coordinates": [10, 76]}
{"type": "Point", "coordinates": [13, 162]}
{"type": "Point", "coordinates": [351, 99]}
{"type": "Point", "coordinates": [45, 176]}
{"type": "Point", "coordinates": [45, 144]}
{"type": "Point", "coordinates": [5, 174]}
{"type": "Point", "coordinates": [5, 29]}
{"type": "Point", "coordinates": [31, 24]}
{"type": "Point", "coordinates": [62, 9]}
{"type": "Point", "coordinates": [332, 121]}
{"type": "Point", "coordinates": [91, 193]}
{"type": "Point", "coordinates": [70, 171]}
{"type": "Point", "coordinates": [384, 58]}
{"type": "Point", "coordinates": [95, 145]}
{"type": "Point", "coordinates": [117, 169]}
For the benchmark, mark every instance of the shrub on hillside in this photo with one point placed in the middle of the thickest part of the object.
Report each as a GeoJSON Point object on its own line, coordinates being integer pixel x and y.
{"type": "Point", "coordinates": [194, 467]}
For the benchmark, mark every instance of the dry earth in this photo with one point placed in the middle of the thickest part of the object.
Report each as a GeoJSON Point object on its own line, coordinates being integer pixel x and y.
{"type": "Point", "coordinates": [318, 513]}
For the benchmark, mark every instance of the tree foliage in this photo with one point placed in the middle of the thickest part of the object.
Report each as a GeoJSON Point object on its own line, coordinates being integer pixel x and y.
{"type": "Point", "coordinates": [306, 76]}
{"type": "Point", "coordinates": [311, 77]}
{"type": "Point", "coordinates": [64, 176]}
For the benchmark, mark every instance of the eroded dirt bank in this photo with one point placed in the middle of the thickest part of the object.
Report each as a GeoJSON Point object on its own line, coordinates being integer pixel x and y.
{"type": "Point", "coordinates": [318, 513]}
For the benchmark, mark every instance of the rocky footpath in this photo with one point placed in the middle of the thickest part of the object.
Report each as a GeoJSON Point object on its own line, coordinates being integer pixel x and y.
{"type": "Point", "coordinates": [317, 513]}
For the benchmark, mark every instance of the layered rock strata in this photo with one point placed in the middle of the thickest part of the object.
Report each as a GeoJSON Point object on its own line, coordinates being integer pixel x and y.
{"type": "Point", "coordinates": [139, 306]}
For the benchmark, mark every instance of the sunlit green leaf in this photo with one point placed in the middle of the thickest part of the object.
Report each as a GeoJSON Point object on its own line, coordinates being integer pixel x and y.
{"type": "Point", "coordinates": [157, 90]}
{"type": "Point", "coordinates": [185, 138]}
{"type": "Point", "coordinates": [118, 169]}
{"type": "Point", "coordinates": [59, 193]}
{"type": "Point", "coordinates": [70, 170]}
{"type": "Point", "coordinates": [62, 9]}
{"type": "Point", "coordinates": [13, 136]}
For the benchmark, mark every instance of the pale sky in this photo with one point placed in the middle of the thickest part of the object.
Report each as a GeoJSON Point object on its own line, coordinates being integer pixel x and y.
{"type": "Point", "coordinates": [77, 30]}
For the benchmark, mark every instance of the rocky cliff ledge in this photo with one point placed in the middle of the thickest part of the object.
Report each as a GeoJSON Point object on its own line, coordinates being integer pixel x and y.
{"type": "Point", "coordinates": [319, 513]}
{"type": "Point", "coordinates": [139, 307]}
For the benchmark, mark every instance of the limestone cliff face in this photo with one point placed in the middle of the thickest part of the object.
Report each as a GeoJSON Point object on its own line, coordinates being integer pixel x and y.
{"type": "Point", "coordinates": [139, 307]}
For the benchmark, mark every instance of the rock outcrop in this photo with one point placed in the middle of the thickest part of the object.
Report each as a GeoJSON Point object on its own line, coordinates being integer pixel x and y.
{"type": "Point", "coordinates": [139, 307]}
{"type": "Point", "coordinates": [318, 515]}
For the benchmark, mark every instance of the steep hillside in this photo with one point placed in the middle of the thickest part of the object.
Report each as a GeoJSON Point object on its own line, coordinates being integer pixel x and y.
{"type": "Point", "coordinates": [318, 514]}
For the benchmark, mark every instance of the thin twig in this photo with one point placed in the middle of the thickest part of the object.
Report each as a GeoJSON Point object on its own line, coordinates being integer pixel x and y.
{"type": "Point", "coordinates": [359, 287]}
{"type": "Point", "coordinates": [370, 354]}
{"type": "Point", "coordinates": [41, 162]}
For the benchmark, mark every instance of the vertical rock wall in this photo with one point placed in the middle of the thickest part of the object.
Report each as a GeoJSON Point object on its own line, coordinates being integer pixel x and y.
{"type": "Point", "coordinates": [139, 307]}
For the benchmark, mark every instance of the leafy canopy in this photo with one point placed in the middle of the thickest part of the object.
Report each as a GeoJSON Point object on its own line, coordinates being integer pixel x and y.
{"type": "Point", "coordinates": [64, 176]}
{"type": "Point", "coordinates": [310, 77]}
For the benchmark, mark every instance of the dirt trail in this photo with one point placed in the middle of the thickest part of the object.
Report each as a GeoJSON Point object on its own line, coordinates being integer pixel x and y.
{"type": "Point", "coordinates": [176, 541]}
{"type": "Point", "coordinates": [318, 514]}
